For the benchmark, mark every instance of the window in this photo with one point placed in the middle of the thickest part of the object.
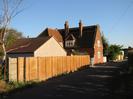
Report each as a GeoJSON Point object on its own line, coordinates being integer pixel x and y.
{"type": "Point", "coordinates": [69, 43]}
{"type": "Point", "coordinates": [99, 54]}
{"type": "Point", "coordinates": [98, 43]}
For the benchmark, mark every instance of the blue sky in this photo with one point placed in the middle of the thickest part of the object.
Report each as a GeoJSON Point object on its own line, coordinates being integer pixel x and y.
{"type": "Point", "coordinates": [115, 17]}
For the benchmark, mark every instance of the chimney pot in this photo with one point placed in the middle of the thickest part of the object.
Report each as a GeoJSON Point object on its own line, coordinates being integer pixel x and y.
{"type": "Point", "coordinates": [66, 25]}
{"type": "Point", "coordinates": [80, 28]}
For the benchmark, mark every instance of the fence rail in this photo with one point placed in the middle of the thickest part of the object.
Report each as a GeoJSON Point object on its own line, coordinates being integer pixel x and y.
{"type": "Point", "coordinates": [42, 68]}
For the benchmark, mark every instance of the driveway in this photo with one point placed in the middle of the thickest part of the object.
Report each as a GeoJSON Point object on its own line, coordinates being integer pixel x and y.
{"type": "Point", "coordinates": [88, 83]}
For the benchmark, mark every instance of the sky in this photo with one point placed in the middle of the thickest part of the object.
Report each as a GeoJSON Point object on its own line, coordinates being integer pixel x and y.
{"type": "Point", "coordinates": [115, 17]}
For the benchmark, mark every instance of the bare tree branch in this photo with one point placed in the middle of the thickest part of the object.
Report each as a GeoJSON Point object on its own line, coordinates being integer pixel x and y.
{"type": "Point", "coordinates": [8, 11]}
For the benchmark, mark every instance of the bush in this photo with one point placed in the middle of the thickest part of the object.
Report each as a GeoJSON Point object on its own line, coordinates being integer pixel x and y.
{"type": "Point", "coordinates": [114, 51]}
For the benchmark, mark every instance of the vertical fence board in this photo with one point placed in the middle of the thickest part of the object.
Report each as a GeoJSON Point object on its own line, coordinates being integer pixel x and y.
{"type": "Point", "coordinates": [52, 73]}
{"type": "Point", "coordinates": [64, 65]}
{"type": "Point", "coordinates": [47, 67]}
{"type": "Point", "coordinates": [60, 59]}
{"type": "Point", "coordinates": [21, 69]}
{"type": "Point", "coordinates": [61, 64]}
{"type": "Point", "coordinates": [13, 69]}
{"type": "Point", "coordinates": [50, 67]}
{"type": "Point", "coordinates": [75, 61]}
{"type": "Point", "coordinates": [72, 64]}
{"type": "Point", "coordinates": [33, 68]}
{"type": "Point", "coordinates": [58, 65]}
{"type": "Point", "coordinates": [55, 66]}
{"type": "Point", "coordinates": [27, 77]}
{"type": "Point", "coordinates": [78, 62]}
{"type": "Point", "coordinates": [42, 70]}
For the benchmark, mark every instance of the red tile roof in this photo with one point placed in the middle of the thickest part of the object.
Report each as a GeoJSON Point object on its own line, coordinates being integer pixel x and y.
{"type": "Point", "coordinates": [27, 45]}
{"type": "Point", "coordinates": [52, 32]}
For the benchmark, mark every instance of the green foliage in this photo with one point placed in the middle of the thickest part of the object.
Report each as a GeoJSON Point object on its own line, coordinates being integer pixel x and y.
{"type": "Point", "coordinates": [111, 51]}
{"type": "Point", "coordinates": [114, 50]}
{"type": "Point", "coordinates": [11, 36]}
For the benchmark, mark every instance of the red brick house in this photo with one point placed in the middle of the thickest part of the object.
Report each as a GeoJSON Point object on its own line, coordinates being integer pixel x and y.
{"type": "Point", "coordinates": [83, 39]}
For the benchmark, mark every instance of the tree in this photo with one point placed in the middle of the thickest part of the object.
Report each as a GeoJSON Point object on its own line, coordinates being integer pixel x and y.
{"type": "Point", "coordinates": [114, 51]}
{"type": "Point", "coordinates": [9, 9]}
{"type": "Point", "coordinates": [11, 36]}
{"type": "Point", "coordinates": [111, 51]}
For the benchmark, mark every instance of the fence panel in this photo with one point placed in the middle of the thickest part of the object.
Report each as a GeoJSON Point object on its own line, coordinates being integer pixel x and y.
{"type": "Point", "coordinates": [55, 66]}
{"type": "Point", "coordinates": [48, 67]}
{"type": "Point", "coordinates": [20, 69]}
{"type": "Point", "coordinates": [42, 68]}
{"type": "Point", "coordinates": [64, 67]}
{"type": "Point", "coordinates": [27, 68]}
{"type": "Point", "coordinates": [33, 68]}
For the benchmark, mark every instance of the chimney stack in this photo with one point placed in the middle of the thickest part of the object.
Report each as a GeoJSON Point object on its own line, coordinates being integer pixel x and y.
{"type": "Point", "coordinates": [66, 25]}
{"type": "Point", "coordinates": [80, 28]}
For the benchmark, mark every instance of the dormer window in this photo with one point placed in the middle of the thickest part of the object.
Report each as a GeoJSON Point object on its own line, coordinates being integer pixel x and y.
{"type": "Point", "coordinates": [70, 41]}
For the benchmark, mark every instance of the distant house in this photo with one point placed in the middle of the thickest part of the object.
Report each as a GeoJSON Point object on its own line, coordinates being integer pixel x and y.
{"type": "Point", "coordinates": [36, 47]}
{"type": "Point", "coordinates": [81, 39]}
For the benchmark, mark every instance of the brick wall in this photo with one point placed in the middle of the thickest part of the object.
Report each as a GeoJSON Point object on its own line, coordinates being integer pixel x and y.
{"type": "Point", "coordinates": [98, 47]}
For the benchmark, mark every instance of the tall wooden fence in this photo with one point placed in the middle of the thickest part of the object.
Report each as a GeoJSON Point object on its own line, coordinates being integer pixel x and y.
{"type": "Point", "coordinates": [42, 68]}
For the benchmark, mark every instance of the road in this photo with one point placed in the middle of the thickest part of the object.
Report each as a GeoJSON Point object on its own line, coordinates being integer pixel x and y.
{"type": "Point", "coordinates": [88, 83]}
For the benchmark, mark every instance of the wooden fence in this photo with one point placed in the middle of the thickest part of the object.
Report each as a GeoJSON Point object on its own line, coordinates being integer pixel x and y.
{"type": "Point", "coordinates": [41, 68]}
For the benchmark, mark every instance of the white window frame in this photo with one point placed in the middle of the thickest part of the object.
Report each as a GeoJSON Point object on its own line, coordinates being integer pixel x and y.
{"type": "Point", "coordinates": [69, 43]}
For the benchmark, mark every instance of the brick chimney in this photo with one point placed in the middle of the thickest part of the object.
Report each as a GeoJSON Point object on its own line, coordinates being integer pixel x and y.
{"type": "Point", "coordinates": [66, 26]}
{"type": "Point", "coordinates": [80, 28]}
